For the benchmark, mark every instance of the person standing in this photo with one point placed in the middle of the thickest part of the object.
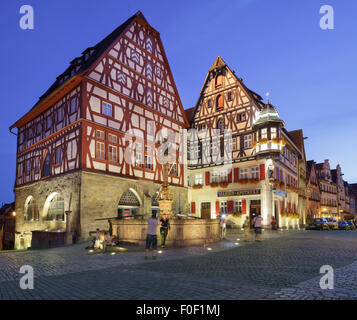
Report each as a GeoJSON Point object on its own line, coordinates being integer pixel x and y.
{"type": "Point", "coordinates": [258, 226]}
{"type": "Point", "coordinates": [151, 236]}
{"type": "Point", "coordinates": [223, 223]}
{"type": "Point", "coordinates": [164, 230]}
{"type": "Point", "coordinates": [246, 227]}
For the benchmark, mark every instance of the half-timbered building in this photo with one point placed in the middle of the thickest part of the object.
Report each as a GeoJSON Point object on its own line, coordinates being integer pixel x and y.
{"type": "Point", "coordinates": [241, 159]}
{"type": "Point", "coordinates": [328, 191]}
{"type": "Point", "coordinates": [89, 145]}
{"type": "Point", "coordinates": [314, 194]}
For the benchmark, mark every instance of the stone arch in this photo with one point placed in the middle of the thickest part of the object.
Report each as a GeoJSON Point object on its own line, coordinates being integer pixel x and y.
{"type": "Point", "coordinates": [31, 209]}
{"type": "Point", "coordinates": [53, 208]}
{"type": "Point", "coordinates": [129, 204]}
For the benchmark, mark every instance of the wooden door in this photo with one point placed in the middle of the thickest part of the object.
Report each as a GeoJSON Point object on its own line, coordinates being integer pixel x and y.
{"type": "Point", "coordinates": [206, 210]}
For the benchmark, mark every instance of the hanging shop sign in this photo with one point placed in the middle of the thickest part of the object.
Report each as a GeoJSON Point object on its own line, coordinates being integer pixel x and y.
{"type": "Point", "coordinates": [232, 193]}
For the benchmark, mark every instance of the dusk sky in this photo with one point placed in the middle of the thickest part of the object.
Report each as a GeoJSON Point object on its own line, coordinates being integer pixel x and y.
{"type": "Point", "coordinates": [276, 46]}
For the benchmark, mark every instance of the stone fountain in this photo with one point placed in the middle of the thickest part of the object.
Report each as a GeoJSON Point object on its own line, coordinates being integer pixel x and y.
{"type": "Point", "coordinates": [183, 231]}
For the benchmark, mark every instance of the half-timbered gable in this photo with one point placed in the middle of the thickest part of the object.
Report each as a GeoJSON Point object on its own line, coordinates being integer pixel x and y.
{"type": "Point", "coordinates": [225, 103]}
{"type": "Point", "coordinates": [130, 93]}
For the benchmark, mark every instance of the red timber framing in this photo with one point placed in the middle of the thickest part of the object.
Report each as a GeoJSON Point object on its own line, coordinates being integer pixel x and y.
{"type": "Point", "coordinates": [127, 94]}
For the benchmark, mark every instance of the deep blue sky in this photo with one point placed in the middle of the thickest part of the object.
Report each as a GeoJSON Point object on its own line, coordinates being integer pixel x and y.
{"type": "Point", "coordinates": [274, 45]}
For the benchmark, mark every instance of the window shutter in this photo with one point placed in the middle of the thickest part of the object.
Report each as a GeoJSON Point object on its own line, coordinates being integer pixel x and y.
{"type": "Point", "coordinates": [230, 176]}
{"type": "Point", "coordinates": [262, 171]}
{"type": "Point", "coordinates": [244, 206]}
{"type": "Point", "coordinates": [193, 207]}
{"type": "Point", "coordinates": [236, 174]}
{"type": "Point", "coordinates": [217, 207]}
{"type": "Point", "coordinates": [207, 178]}
{"type": "Point", "coordinates": [230, 206]}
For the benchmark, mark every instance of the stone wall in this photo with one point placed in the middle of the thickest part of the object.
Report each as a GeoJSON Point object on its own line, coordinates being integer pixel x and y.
{"type": "Point", "coordinates": [40, 191]}
{"type": "Point", "coordinates": [95, 198]}
{"type": "Point", "coordinates": [100, 195]}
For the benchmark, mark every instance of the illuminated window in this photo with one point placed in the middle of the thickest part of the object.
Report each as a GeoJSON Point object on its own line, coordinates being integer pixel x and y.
{"type": "Point", "coordinates": [247, 141]}
{"type": "Point", "coordinates": [100, 150]}
{"type": "Point", "coordinates": [100, 135]}
{"type": "Point", "coordinates": [112, 153]}
{"type": "Point", "coordinates": [112, 138]}
{"type": "Point", "coordinates": [31, 210]}
{"type": "Point", "coordinates": [56, 209]}
{"type": "Point", "coordinates": [198, 179]}
{"type": "Point", "coordinates": [243, 174]}
{"type": "Point", "coordinates": [254, 173]}
{"type": "Point", "coordinates": [264, 133]}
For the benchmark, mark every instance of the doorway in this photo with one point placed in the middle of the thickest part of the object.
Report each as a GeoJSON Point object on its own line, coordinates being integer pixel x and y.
{"type": "Point", "coordinates": [206, 210]}
{"type": "Point", "coordinates": [255, 209]}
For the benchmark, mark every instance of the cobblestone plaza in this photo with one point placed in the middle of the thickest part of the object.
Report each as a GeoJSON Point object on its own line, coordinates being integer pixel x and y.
{"type": "Point", "coordinates": [285, 265]}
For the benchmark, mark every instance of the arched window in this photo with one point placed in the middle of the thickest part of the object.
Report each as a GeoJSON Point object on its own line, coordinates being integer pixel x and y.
{"type": "Point", "coordinates": [219, 102]}
{"type": "Point", "coordinates": [220, 125]}
{"type": "Point", "coordinates": [56, 208]}
{"type": "Point", "coordinates": [31, 209]}
{"type": "Point", "coordinates": [129, 199]}
{"type": "Point", "coordinates": [129, 204]}
{"type": "Point", "coordinates": [219, 81]}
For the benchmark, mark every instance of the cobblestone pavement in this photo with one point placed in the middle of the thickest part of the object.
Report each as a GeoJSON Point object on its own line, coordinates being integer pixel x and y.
{"type": "Point", "coordinates": [284, 266]}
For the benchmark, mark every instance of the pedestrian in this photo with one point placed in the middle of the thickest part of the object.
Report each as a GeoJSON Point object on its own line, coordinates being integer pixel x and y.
{"type": "Point", "coordinates": [274, 224]}
{"type": "Point", "coordinates": [246, 227]}
{"type": "Point", "coordinates": [258, 226]}
{"type": "Point", "coordinates": [223, 223]}
{"type": "Point", "coordinates": [164, 229]}
{"type": "Point", "coordinates": [151, 236]}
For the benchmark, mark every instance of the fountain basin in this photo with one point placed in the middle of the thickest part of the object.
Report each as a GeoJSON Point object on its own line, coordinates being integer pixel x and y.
{"type": "Point", "coordinates": [183, 232]}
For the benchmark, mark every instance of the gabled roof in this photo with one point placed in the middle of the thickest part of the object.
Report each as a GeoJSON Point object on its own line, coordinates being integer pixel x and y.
{"type": "Point", "coordinates": [219, 63]}
{"type": "Point", "coordinates": [189, 113]}
{"type": "Point", "coordinates": [297, 137]}
{"type": "Point", "coordinates": [80, 64]}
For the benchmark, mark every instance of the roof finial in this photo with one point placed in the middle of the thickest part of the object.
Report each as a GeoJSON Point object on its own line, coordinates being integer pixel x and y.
{"type": "Point", "coordinates": [267, 94]}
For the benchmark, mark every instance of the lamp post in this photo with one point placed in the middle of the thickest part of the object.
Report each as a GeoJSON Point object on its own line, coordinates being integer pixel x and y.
{"type": "Point", "coordinates": [271, 183]}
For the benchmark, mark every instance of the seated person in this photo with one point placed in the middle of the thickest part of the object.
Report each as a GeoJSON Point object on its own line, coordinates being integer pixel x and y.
{"type": "Point", "coordinates": [107, 241]}
{"type": "Point", "coordinates": [115, 240]}
{"type": "Point", "coordinates": [99, 239]}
